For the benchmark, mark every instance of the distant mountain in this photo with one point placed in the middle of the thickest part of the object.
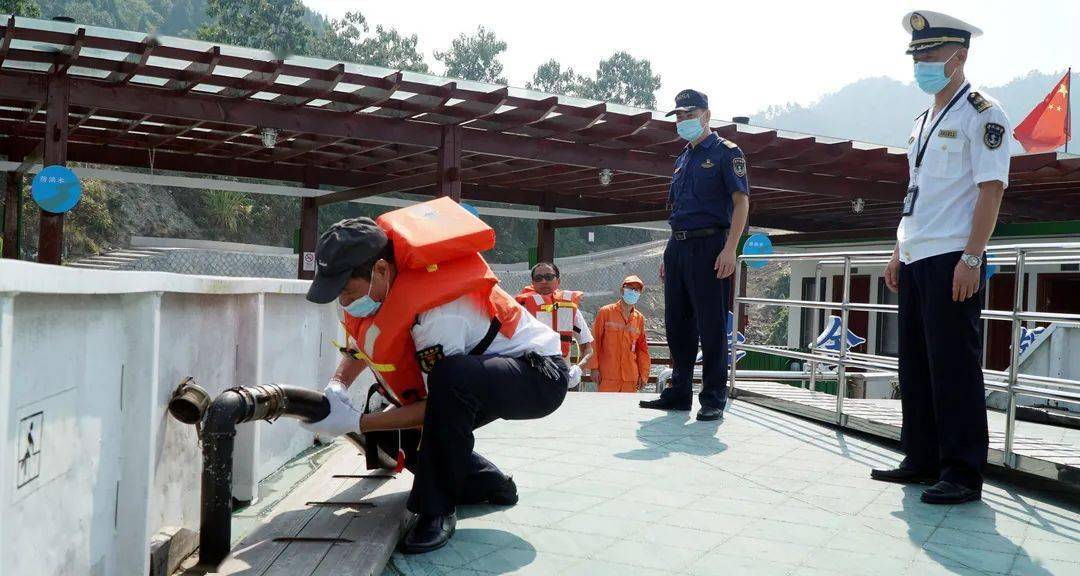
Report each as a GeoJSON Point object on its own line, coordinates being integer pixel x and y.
{"type": "Point", "coordinates": [881, 110]}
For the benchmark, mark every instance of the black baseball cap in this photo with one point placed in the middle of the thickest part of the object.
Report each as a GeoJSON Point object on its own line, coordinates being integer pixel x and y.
{"type": "Point", "coordinates": [688, 100]}
{"type": "Point", "coordinates": [346, 245]}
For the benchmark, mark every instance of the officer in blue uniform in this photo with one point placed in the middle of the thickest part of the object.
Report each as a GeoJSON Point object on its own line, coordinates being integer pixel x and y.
{"type": "Point", "coordinates": [709, 202]}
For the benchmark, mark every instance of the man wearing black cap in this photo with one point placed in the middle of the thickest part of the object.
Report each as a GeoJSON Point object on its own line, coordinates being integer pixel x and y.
{"type": "Point", "coordinates": [709, 201]}
{"type": "Point", "coordinates": [958, 163]}
{"type": "Point", "coordinates": [474, 369]}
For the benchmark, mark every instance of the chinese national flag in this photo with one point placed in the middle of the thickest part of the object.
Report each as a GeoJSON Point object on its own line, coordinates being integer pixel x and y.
{"type": "Point", "coordinates": [1046, 128]}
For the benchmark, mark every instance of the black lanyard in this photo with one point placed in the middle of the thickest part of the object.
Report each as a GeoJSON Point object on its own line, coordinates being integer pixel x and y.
{"type": "Point", "coordinates": [920, 146]}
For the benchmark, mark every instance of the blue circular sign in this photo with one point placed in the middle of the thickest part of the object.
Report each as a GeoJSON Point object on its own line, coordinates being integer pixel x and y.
{"type": "Point", "coordinates": [757, 244]}
{"type": "Point", "coordinates": [56, 189]}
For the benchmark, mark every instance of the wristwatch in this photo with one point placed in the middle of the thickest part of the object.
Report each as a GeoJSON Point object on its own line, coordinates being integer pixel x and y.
{"type": "Point", "coordinates": [971, 261]}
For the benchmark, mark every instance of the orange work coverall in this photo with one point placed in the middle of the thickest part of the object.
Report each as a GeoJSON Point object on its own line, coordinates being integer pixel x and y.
{"type": "Point", "coordinates": [620, 350]}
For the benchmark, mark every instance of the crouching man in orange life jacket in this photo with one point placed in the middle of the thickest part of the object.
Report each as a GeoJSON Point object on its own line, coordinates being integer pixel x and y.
{"type": "Point", "coordinates": [560, 309]}
{"type": "Point", "coordinates": [449, 348]}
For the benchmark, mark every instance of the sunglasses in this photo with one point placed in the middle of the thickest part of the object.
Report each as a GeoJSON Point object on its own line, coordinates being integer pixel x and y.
{"type": "Point", "coordinates": [544, 277]}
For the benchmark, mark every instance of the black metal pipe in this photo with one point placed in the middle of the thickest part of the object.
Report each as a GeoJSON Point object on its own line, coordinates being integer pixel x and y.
{"type": "Point", "coordinates": [218, 431]}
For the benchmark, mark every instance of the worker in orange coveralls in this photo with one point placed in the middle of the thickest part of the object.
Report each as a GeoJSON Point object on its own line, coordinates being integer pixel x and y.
{"type": "Point", "coordinates": [620, 361]}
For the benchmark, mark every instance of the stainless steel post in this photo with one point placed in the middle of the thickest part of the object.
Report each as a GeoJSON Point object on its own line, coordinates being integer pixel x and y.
{"type": "Point", "coordinates": [736, 309]}
{"type": "Point", "coordinates": [841, 373]}
{"type": "Point", "coordinates": [1014, 359]}
{"type": "Point", "coordinates": [814, 326]}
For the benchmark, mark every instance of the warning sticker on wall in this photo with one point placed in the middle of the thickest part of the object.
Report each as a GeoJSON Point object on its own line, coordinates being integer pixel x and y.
{"type": "Point", "coordinates": [309, 261]}
{"type": "Point", "coordinates": [28, 456]}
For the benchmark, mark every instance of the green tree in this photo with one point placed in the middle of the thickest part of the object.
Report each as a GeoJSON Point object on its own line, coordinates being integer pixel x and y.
{"type": "Point", "coordinates": [623, 79]}
{"type": "Point", "coordinates": [475, 57]}
{"type": "Point", "coordinates": [550, 77]}
{"type": "Point", "coordinates": [20, 8]}
{"type": "Point", "coordinates": [349, 40]}
{"type": "Point", "coordinates": [275, 25]}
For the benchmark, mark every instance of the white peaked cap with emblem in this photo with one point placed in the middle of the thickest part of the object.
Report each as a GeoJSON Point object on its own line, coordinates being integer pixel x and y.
{"type": "Point", "coordinates": [932, 29]}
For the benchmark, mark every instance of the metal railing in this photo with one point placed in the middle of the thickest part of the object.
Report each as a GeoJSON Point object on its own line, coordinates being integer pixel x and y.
{"type": "Point", "coordinates": [1010, 382]}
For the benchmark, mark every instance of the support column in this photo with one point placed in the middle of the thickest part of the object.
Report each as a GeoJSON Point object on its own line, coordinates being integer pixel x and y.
{"type": "Point", "coordinates": [51, 229]}
{"type": "Point", "coordinates": [450, 162]}
{"type": "Point", "coordinates": [309, 231]}
{"type": "Point", "coordinates": [12, 213]}
{"type": "Point", "coordinates": [545, 232]}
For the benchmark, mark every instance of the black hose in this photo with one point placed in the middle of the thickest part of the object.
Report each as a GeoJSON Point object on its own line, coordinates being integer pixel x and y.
{"type": "Point", "coordinates": [232, 407]}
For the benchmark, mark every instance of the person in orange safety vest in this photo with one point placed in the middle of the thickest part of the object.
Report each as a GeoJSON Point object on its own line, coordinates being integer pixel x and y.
{"type": "Point", "coordinates": [450, 350]}
{"type": "Point", "coordinates": [560, 309]}
{"type": "Point", "coordinates": [621, 360]}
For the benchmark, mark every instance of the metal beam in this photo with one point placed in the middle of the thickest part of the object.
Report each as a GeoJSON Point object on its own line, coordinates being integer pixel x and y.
{"type": "Point", "coordinates": [610, 219]}
{"type": "Point", "coordinates": [309, 231]}
{"type": "Point", "coordinates": [51, 227]}
{"type": "Point", "coordinates": [449, 176]}
{"type": "Point", "coordinates": [545, 232]}
{"type": "Point", "coordinates": [196, 107]}
{"type": "Point", "coordinates": [13, 199]}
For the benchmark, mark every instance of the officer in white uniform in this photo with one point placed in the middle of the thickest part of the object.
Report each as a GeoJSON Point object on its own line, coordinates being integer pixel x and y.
{"type": "Point", "coordinates": [958, 171]}
{"type": "Point", "coordinates": [475, 376]}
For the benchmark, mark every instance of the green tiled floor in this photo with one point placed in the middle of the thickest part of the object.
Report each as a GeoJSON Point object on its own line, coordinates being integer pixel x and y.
{"type": "Point", "coordinates": [610, 489]}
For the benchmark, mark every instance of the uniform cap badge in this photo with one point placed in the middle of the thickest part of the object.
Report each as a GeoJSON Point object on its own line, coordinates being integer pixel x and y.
{"type": "Point", "coordinates": [917, 21]}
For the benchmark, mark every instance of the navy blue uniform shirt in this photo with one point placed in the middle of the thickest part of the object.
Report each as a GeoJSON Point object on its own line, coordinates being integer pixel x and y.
{"type": "Point", "coordinates": [706, 176]}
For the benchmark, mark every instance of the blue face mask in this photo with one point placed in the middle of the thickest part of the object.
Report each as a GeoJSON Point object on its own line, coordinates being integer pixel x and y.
{"type": "Point", "coordinates": [631, 297]}
{"type": "Point", "coordinates": [930, 76]}
{"type": "Point", "coordinates": [690, 129]}
{"type": "Point", "coordinates": [363, 307]}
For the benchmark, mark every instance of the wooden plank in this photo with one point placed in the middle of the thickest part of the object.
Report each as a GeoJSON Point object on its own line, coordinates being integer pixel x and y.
{"type": "Point", "coordinates": [374, 531]}
{"type": "Point", "coordinates": [257, 551]}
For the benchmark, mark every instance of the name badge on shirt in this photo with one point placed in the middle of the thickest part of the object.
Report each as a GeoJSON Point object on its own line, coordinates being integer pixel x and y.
{"type": "Point", "coordinates": [909, 200]}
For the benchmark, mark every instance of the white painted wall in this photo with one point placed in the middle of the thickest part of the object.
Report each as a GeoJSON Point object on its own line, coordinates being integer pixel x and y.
{"type": "Point", "coordinates": [99, 353]}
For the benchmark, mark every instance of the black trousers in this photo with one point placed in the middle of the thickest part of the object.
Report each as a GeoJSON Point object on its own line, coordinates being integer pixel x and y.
{"type": "Point", "coordinates": [941, 381]}
{"type": "Point", "coordinates": [465, 393]}
{"type": "Point", "coordinates": [696, 308]}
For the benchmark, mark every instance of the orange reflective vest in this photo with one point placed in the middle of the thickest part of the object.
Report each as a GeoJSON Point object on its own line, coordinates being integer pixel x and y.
{"type": "Point", "coordinates": [384, 340]}
{"type": "Point", "coordinates": [556, 310]}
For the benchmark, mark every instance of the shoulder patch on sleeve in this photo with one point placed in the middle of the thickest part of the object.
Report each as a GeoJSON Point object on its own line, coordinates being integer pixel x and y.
{"type": "Point", "coordinates": [429, 356]}
{"type": "Point", "coordinates": [729, 143]}
{"type": "Point", "coordinates": [738, 166]}
{"type": "Point", "coordinates": [978, 102]}
{"type": "Point", "coordinates": [993, 135]}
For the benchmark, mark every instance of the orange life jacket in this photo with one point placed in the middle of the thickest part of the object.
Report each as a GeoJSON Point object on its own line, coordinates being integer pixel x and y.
{"type": "Point", "coordinates": [556, 310]}
{"type": "Point", "coordinates": [442, 271]}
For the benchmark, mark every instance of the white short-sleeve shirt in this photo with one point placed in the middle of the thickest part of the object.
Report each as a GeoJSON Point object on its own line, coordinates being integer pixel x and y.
{"type": "Point", "coordinates": [968, 147]}
{"type": "Point", "coordinates": [460, 325]}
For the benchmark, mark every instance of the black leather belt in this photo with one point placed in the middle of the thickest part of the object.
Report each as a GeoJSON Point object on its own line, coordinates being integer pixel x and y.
{"type": "Point", "coordinates": [699, 233]}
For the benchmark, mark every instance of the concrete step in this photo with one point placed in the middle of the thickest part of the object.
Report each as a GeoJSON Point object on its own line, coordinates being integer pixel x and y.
{"type": "Point", "coordinates": [91, 265]}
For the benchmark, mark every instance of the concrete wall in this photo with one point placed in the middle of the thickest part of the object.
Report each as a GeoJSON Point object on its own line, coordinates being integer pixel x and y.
{"type": "Point", "coordinates": [90, 358]}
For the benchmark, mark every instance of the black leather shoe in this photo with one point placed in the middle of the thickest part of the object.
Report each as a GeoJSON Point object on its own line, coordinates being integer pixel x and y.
{"type": "Point", "coordinates": [904, 476]}
{"type": "Point", "coordinates": [506, 496]}
{"type": "Point", "coordinates": [945, 492]}
{"type": "Point", "coordinates": [708, 414]}
{"type": "Point", "coordinates": [429, 533]}
{"type": "Point", "coordinates": [661, 404]}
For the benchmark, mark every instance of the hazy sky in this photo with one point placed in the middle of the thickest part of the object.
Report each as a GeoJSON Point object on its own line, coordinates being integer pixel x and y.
{"type": "Point", "coordinates": [744, 55]}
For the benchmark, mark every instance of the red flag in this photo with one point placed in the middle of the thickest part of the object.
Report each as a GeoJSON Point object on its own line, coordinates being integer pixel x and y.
{"type": "Point", "coordinates": [1047, 128]}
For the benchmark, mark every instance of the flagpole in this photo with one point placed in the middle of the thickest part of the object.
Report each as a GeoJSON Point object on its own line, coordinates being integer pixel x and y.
{"type": "Point", "coordinates": [1068, 108]}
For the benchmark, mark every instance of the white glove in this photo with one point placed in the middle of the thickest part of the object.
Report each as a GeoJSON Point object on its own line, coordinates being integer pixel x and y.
{"type": "Point", "coordinates": [575, 376]}
{"type": "Point", "coordinates": [337, 388]}
{"type": "Point", "coordinates": [343, 418]}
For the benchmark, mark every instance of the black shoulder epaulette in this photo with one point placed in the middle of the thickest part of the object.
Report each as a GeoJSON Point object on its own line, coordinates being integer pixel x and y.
{"type": "Point", "coordinates": [978, 102]}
